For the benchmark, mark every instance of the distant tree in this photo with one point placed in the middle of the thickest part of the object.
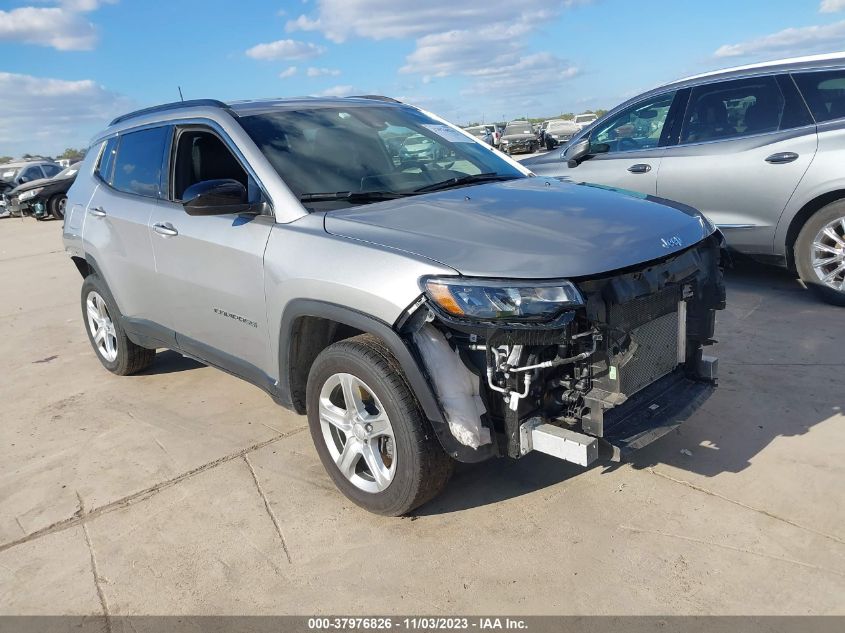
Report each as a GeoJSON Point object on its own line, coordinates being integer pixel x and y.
{"type": "Point", "coordinates": [27, 156]}
{"type": "Point", "coordinates": [73, 154]}
{"type": "Point", "coordinates": [6, 159]}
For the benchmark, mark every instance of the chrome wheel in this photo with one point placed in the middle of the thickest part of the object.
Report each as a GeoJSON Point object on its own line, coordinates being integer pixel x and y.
{"type": "Point", "coordinates": [101, 327]}
{"type": "Point", "coordinates": [828, 254]}
{"type": "Point", "coordinates": [357, 432]}
{"type": "Point", "coordinates": [62, 204]}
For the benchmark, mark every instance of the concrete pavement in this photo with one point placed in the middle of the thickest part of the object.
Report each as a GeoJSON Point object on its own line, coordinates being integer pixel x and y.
{"type": "Point", "coordinates": [187, 491]}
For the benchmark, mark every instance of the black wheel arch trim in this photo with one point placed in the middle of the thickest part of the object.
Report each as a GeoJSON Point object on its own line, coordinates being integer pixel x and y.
{"type": "Point", "coordinates": [406, 356]}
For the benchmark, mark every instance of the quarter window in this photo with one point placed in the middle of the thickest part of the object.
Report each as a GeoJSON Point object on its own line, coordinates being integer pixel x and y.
{"type": "Point", "coordinates": [731, 109]}
{"type": "Point", "coordinates": [824, 93]}
{"type": "Point", "coordinates": [137, 167]}
{"type": "Point", "coordinates": [639, 127]}
{"type": "Point", "coordinates": [104, 166]}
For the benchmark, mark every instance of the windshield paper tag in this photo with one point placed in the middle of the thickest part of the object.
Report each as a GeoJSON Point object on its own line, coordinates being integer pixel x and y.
{"type": "Point", "coordinates": [447, 133]}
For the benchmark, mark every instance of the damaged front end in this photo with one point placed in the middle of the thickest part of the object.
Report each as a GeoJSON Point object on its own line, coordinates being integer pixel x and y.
{"type": "Point", "coordinates": [611, 362]}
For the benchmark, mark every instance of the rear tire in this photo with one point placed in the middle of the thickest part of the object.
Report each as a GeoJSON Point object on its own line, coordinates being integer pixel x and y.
{"type": "Point", "coordinates": [820, 253]}
{"type": "Point", "coordinates": [402, 447]}
{"type": "Point", "coordinates": [105, 333]}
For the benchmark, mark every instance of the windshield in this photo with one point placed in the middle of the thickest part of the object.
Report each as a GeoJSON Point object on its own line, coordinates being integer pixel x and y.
{"type": "Point", "coordinates": [584, 118]}
{"type": "Point", "coordinates": [518, 128]}
{"type": "Point", "coordinates": [7, 174]}
{"type": "Point", "coordinates": [554, 125]}
{"type": "Point", "coordinates": [369, 149]}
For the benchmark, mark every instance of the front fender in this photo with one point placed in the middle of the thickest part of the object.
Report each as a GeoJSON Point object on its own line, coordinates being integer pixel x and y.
{"type": "Point", "coordinates": [403, 352]}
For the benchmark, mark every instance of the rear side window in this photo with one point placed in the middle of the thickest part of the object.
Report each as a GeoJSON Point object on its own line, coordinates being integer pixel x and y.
{"type": "Point", "coordinates": [106, 162]}
{"type": "Point", "coordinates": [51, 170]}
{"type": "Point", "coordinates": [731, 109]}
{"type": "Point", "coordinates": [137, 166]}
{"type": "Point", "coordinates": [824, 93]}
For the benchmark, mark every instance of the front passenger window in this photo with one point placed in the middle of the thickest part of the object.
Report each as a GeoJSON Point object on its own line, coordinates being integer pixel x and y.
{"type": "Point", "coordinates": [639, 127]}
{"type": "Point", "coordinates": [201, 156]}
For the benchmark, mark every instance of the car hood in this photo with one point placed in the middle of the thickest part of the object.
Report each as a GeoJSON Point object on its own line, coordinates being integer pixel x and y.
{"type": "Point", "coordinates": [527, 228]}
{"type": "Point", "coordinates": [32, 184]}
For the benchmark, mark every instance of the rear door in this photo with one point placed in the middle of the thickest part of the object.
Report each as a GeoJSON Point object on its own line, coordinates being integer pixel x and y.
{"type": "Point", "coordinates": [743, 147]}
{"type": "Point", "coordinates": [627, 148]}
{"type": "Point", "coordinates": [212, 267]}
{"type": "Point", "coordinates": [115, 229]}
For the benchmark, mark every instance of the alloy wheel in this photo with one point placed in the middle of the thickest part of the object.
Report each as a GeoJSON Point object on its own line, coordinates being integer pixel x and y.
{"type": "Point", "coordinates": [828, 254]}
{"type": "Point", "coordinates": [357, 432]}
{"type": "Point", "coordinates": [101, 326]}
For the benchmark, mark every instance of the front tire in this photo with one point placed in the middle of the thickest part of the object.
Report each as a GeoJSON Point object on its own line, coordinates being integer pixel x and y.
{"type": "Point", "coordinates": [105, 333]}
{"type": "Point", "coordinates": [56, 206]}
{"type": "Point", "coordinates": [820, 253]}
{"type": "Point", "coordinates": [370, 433]}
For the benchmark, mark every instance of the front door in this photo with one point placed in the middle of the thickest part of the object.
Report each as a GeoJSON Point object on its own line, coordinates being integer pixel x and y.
{"type": "Point", "coordinates": [626, 149]}
{"type": "Point", "coordinates": [211, 267]}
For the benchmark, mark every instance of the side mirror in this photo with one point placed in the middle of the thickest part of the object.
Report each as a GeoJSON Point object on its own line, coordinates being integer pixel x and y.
{"type": "Point", "coordinates": [576, 152]}
{"type": "Point", "coordinates": [216, 197]}
{"type": "Point", "coordinates": [23, 180]}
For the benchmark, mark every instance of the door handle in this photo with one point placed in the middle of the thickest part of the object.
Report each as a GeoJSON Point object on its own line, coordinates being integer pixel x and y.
{"type": "Point", "coordinates": [97, 212]}
{"type": "Point", "coordinates": [165, 229]}
{"type": "Point", "coordinates": [640, 168]}
{"type": "Point", "coordinates": [781, 157]}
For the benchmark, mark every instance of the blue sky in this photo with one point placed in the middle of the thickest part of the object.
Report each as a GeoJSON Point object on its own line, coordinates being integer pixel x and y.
{"type": "Point", "coordinates": [66, 66]}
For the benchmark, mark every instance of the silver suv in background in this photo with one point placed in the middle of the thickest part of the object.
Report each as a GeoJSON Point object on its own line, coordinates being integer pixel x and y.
{"type": "Point", "coordinates": [449, 307]}
{"type": "Point", "coordinates": [758, 149]}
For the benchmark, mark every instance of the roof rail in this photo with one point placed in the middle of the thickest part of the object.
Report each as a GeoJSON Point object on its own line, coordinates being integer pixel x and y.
{"type": "Point", "coordinates": [375, 98]}
{"type": "Point", "coordinates": [176, 105]}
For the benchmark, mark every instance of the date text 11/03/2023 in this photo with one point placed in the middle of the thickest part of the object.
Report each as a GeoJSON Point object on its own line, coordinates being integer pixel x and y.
{"type": "Point", "coordinates": [416, 623]}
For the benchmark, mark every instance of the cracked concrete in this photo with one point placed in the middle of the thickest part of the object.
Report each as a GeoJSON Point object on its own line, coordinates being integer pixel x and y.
{"type": "Point", "coordinates": [203, 497]}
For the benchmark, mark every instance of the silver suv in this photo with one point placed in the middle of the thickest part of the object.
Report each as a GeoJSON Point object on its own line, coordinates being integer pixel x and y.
{"type": "Point", "coordinates": [758, 149]}
{"type": "Point", "coordinates": [420, 308]}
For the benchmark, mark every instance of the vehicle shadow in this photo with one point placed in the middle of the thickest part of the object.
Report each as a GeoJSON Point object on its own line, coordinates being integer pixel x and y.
{"type": "Point", "coordinates": [780, 375]}
{"type": "Point", "coordinates": [170, 362]}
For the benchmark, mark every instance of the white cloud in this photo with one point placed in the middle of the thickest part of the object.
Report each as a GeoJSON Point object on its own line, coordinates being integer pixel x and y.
{"type": "Point", "coordinates": [337, 91]}
{"type": "Point", "coordinates": [57, 27]}
{"type": "Point", "coordinates": [322, 72]}
{"type": "Point", "coordinates": [831, 6]}
{"type": "Point", "coordinates": [380, 19]}
{"type": "Point", "coordinates": [804, 40]}
{"type": "Point", "coordinates": [84, 5]}
{"type": "Point", "coordinates": [285, 49]}
{"type": "Point", "coordinates": [44, 115]}
{"type": "Point", "coordinates": [488, 45]}
{"type": "Point", "coordinates": [290, 71]}
{"type": "Point", "coordinates": [531, 75]}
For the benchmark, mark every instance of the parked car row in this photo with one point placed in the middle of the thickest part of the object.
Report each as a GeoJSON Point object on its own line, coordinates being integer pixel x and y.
{"type": "Point", "coordinates": [522, 136]}
{"type": "Point", "coordinates": [37, 188]}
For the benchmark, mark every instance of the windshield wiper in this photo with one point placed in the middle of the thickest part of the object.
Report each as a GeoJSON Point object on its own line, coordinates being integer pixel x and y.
{"type": "Point", "coordinates": [352, 196]}
{"type": "Point", "coordinates": [464, 180]}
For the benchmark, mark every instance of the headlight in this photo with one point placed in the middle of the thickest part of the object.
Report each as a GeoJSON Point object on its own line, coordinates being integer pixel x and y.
{"type": "Point", "coordinates": [26, 195]}
{"type": "Point", "coordinates": [488, 300]}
